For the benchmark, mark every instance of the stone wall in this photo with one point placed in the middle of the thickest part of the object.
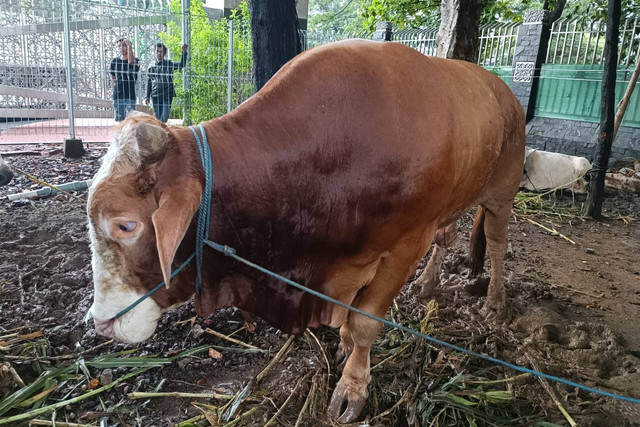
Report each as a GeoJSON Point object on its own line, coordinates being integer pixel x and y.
{"type": "Point", "coordinates": [579, 138]}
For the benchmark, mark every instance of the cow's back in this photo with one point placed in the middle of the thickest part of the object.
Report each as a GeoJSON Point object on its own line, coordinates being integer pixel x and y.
{"type": "Point", "coordinates": [388, 114]}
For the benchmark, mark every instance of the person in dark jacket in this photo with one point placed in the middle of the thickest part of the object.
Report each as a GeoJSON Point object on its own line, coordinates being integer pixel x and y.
{"type": "Point", "coordinates": [124, 73]}
{"type": "Point", "coordinates": [160, 88]}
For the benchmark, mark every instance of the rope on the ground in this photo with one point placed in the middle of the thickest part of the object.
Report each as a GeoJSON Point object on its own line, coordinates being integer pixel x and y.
{"type": "Point", "coordinates": [40, 181]}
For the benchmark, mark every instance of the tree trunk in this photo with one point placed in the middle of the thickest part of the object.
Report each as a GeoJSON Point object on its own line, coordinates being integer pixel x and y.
{"type": "Point", "coordinates": [459, 27]}
{"type": "Point", "coordinates": [275, 36]}
{"type": "Point", "coordinates": [557, 10]}
{"type": "Point", "coordinates": [607, 109]}
{"type": "Point", "coordinates": [624, 102]}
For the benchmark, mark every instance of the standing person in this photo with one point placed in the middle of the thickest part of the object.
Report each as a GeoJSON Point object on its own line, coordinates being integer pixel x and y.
{"type": "Point", "coordinates": [160, 88]}
{"type": "Point", "coordinates": [124, 73]}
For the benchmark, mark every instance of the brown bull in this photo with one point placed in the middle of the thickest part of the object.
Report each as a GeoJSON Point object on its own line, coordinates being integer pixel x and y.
{"type": "Point", "coordinates": [336, 174]}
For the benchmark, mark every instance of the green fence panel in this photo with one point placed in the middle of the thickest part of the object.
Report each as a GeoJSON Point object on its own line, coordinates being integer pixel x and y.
{"type": "Point", "coordinates": [574, 91]}
{"type": "Point", "coordinates": [503, 72]}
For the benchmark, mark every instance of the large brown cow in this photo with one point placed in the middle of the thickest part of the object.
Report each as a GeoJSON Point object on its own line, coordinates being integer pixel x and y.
{"type": "Point", "coordinates": [336, 174]}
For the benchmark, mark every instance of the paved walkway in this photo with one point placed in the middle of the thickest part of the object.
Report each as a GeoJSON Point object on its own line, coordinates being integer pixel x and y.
{"type": "Point", "coordinates": [89, 130]}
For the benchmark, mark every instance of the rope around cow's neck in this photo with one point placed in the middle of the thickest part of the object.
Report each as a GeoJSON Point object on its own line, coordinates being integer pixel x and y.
{"type": "Point", "coordinates": [202, 239]}
{"type": "Point", "coordinates": [204, 215]}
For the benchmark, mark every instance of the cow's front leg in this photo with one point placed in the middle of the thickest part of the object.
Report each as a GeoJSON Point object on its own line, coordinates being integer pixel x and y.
{"type": "Point", "coordinates": [351, 392]}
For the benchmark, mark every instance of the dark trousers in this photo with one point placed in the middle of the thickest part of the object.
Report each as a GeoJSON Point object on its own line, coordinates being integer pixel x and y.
{"type": "Point", "coordinates": [162, 108]}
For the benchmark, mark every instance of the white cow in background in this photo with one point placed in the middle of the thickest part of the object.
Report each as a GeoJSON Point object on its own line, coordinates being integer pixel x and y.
{"type": "Point", "coordinates": [6, 174]}
{"type": "Point", "coordinates": [544, 170]}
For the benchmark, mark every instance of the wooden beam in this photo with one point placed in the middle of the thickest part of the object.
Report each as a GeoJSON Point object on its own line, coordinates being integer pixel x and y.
{"type": "Point", "coordinates": [53, 96]}
{"type": "Point", "coordinates": [33, 113]}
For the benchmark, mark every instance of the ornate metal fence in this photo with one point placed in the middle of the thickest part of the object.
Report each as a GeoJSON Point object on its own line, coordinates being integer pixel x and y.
{"type": "Point", "coordinates": [497, 44]}
{"type": "Point", "coordinates": [33, 67]}
{"type": "Point", "coordinates": [578, 42]}
{"type": "Point", "coordinates": [423, 40]}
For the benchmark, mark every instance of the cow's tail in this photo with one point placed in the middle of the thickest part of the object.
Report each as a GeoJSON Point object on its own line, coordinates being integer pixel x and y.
{"type": "Point", "coordinates": [478, 244]}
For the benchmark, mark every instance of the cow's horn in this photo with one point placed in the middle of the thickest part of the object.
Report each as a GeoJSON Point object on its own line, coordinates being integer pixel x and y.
{"type": "Point", "coordinates": [152, 142]}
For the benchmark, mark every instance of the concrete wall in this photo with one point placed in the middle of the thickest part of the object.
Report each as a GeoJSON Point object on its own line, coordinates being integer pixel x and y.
{"type": "Point", "coordinates": [579, 138]}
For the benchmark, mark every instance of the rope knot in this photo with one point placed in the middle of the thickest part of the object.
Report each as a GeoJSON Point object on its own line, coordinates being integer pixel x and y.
{"type": "Point", "coordinates": [228, 251]}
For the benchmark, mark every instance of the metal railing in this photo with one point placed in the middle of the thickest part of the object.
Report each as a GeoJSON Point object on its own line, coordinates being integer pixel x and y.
{"type": "Point", "coordinates": [497, 44]}
{"type": "Point", "coordinates": [496, 47]}
{"type": "Point", "coordinates": [577, 42]}
{"type": "Point", "coordinates": [423, 40]}
{"type": "Point", "coordinates": [310, 39]}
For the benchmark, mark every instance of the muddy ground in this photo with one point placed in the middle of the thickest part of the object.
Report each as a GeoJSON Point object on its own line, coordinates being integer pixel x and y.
{"type": "Point", "coordinates": [574, 311]}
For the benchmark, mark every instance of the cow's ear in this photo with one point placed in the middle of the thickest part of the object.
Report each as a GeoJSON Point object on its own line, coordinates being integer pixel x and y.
{"type": "Point", "coordinates": [177, 206]}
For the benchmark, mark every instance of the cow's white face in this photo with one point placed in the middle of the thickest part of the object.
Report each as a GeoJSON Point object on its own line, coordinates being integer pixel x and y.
{"type": "Point", "coordinates": [113, 292]}
{"type": "Point", "coordinates": [135, 228]}
{"type": "Point", "coordinates": [580, 166]}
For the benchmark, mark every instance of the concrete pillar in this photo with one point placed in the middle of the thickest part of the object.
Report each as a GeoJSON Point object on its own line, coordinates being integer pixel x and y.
{"type": "Point", "coordinates": [384, 30]}
{"type": "Point", "coordinates": [531, 49]}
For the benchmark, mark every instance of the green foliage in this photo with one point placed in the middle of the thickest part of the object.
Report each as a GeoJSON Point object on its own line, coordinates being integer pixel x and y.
{"type": "Point", "coordinates": [596, 10]}
{"type": "Point", "coordinates": [402, 13]}
{"type": "Point", "coordinates": [336, 15]}
{"type": "Point", "coordinates": [426, 13]}
{"type": "Point", "coordinates": [507, 11]}
{"type": "Point", "coordinates": [348, 15]}
{"type": "Point", "coordinates": [208, 57]}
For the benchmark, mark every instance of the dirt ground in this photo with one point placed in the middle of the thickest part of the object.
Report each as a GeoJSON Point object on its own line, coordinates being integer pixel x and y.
{"type": "Point", "coordinates": [574, 311]}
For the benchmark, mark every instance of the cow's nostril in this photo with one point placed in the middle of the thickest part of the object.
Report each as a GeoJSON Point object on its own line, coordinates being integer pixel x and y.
{"type": "Point", "coordinates": [104, 327]}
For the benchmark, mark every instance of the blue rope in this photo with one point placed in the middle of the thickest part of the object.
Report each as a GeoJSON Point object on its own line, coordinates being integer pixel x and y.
{"type": "Point", "coordinates": [232, 253]}
{"type": "Point", "coordinates": [155, 289]}
{"type": "Point", "coordinates": [204, 216]}
{"type": "Point", "coordinates": [202, 240]}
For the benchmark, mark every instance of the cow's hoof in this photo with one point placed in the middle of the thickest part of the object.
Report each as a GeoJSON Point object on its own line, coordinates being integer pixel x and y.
{"type": "Point", "coordinates": [341, 356]}
{"type": "Point", "coordinates": [495, 310]}
{"type": "Point", "coordinates": [427, 290]}
{"type": "Point", "coordinates": [345, 406]}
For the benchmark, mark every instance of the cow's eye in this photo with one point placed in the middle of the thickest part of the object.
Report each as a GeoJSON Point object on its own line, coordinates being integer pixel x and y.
{"type": "Point", "coordinates": [127, 227]}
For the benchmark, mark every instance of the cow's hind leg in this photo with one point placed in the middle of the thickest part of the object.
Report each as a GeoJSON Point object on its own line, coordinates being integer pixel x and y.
{"type": "Point", "coordinates": [496, 223]}
{"type": "Point", "coordinates": [351, 392]}
{"type": "Point", "coordinates": [346, 345]}
{"type": "Point", "coordinates": [429, 279]}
